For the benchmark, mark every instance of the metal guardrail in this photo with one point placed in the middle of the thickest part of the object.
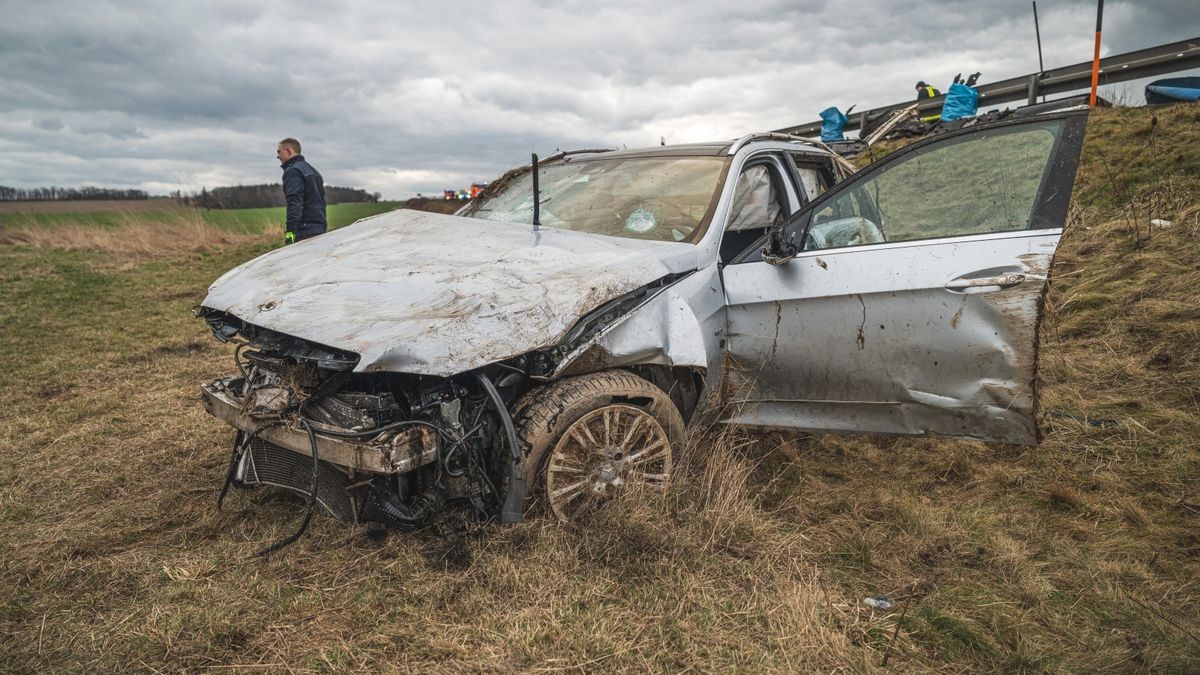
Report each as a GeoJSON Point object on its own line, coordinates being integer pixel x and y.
{"type": "Point", "coordinates": [1167, 58]}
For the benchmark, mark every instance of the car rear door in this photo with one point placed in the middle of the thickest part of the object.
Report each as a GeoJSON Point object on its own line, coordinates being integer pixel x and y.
{"type": "Point", "coordinates": [912, 302]}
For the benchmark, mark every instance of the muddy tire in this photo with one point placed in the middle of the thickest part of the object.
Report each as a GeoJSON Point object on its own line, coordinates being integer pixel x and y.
{"type": "Point", "coordinates": [587, 437]}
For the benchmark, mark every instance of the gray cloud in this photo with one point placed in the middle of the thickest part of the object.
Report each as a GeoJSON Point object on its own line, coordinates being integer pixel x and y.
{"type": "Point", "coordinates": [412, 97]}
{"type": "Point", "coordinates": [49, 123]}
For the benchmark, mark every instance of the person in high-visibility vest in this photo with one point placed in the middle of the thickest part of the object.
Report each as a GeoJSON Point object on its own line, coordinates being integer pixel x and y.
{"type": "Point", "coordinates": [925, 91]}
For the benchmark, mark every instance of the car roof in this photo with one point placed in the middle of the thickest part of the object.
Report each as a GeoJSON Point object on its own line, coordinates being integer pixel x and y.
{"type": "Point", "coordinates": [710, 149]}
{"type": "Point", "coordinates": [683, 150]}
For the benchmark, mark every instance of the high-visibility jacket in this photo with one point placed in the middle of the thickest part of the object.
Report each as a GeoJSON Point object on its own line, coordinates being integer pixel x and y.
{"type": "Point", "coordinates": [928, 92]}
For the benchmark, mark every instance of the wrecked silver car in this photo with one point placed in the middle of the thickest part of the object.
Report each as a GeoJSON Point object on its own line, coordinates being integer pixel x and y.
{"type": "Point", "coordinates": [552, 341]}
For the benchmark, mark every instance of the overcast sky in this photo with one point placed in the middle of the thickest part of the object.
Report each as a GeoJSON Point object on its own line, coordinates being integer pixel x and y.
{"type": "Point", "coordinates": [416, 96]}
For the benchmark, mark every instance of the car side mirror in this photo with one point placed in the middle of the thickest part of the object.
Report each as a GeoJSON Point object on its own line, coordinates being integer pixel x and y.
{"type": "Point", "coordinates": [783, 243]}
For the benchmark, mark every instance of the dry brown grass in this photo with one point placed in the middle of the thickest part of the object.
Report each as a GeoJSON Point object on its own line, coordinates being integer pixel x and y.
{"type": "Point", "coordinates": [137, 236]}
{"type": "Point", "coordinates": [90, 206]}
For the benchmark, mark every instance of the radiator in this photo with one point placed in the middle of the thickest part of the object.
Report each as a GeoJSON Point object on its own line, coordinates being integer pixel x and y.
{"type": "Point", "coordinates": [268, 464]}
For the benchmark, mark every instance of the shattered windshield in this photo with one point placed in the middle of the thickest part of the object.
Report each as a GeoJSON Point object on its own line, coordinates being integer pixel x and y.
{"type": "Point", "coordinates": [662, 199]}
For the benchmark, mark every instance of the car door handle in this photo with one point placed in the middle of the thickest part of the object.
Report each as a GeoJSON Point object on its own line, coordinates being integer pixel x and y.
{"type": "Point", "coordinates": [1006, 280]}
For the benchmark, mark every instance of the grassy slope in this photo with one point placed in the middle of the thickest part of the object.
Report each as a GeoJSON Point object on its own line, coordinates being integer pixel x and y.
{"type": "Point", "coordinates": [1077, 555]}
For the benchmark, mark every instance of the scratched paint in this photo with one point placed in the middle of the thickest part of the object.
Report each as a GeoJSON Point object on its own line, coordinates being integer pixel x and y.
{"type": "Point", "coordinates": [907, 339]}
{"type": "Point", "coordinates": [433, 294]}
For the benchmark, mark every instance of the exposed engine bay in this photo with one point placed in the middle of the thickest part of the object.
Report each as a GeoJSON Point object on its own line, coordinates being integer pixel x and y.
{"type": "Point", "coordinates": [393, 449]}
{"type": "Point", "coordinates": [407, 450]}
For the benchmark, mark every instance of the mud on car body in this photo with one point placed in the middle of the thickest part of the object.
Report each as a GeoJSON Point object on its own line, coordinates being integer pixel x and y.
{"type": "Point", "coordinates": [430, 365]}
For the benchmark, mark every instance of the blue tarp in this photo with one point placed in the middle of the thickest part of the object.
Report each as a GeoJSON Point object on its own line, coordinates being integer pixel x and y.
{"type": "Point", "coordinates": [832, 123]}
{"type": "Point", "coordinates": [961, 101]}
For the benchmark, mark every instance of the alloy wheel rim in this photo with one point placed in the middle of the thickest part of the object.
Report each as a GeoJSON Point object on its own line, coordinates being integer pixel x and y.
{"type": "Point", "coordinates": [600, 454]}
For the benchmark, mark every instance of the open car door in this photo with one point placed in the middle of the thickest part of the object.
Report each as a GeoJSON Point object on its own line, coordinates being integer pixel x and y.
{"type": "Point", "coordinates": [907, 299]}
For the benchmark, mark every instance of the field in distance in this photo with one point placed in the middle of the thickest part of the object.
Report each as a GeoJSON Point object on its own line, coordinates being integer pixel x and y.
{"type": "Point", "coordinates": [113, 213]}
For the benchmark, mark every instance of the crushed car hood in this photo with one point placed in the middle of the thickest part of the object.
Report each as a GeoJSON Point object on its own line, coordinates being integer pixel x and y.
{"type": "Point", "coordinates": [424, 293]}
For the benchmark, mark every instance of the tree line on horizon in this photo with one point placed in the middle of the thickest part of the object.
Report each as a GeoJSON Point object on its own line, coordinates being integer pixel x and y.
{"type": "Point", "coordinates": [265, 195]}
{"type": "Point", "coordinates": [62, 194]}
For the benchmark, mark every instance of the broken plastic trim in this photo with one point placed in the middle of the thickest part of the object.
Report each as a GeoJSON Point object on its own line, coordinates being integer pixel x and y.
{"type": "Point", "coordinates": [227, 328]}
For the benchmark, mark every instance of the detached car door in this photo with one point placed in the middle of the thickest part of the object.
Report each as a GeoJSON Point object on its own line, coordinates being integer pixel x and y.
{"type": "Point", "coordinates": [906, 299]}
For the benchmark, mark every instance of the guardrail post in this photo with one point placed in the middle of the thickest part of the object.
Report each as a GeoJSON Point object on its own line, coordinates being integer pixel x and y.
{"type": "Point", "coordinates": [1033, 87]}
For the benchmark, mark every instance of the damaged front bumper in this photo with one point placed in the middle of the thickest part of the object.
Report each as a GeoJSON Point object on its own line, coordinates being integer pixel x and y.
{"type": "Point", "coordinates": [387, 449]}
{"type": "Point", "coordinates": [391, 453]}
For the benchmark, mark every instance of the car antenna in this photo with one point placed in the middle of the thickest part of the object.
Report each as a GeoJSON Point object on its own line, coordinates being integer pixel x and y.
{"type": "Point", "coordinates": [537, 197]}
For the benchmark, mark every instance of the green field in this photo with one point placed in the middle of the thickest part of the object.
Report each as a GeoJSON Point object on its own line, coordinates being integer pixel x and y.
{"type": "Point", "coordinates": [238, 220]}
{"type": "Point", "coordinates": [1080, 555]}
{"type": "Point", "coordinates": [338, 215]}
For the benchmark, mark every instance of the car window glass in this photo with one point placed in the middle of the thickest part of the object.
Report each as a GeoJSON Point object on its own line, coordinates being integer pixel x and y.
{"type": "Point", "coordinates": [812, 179]}
{"type": "Point", "coordinates": [662, 199]}
{"type": "Point", "coordinates": [987, 182]}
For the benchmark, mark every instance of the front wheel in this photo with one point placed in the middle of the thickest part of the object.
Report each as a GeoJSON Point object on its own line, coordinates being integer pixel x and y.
{"type": "Point", "coordinates": [589, 437]}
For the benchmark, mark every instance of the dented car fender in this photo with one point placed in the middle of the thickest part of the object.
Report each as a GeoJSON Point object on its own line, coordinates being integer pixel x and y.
{"type": "Point", "coordinates": [681, 325]}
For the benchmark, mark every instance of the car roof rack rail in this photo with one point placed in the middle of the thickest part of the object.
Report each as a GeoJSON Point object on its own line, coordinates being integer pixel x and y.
{"type": "Point", "coordinates": [559, 154]}
{"type": "Point", "coordinates": [769, 136]}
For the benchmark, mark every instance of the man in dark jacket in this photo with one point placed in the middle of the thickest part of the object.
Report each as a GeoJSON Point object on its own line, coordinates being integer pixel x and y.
{"type": "Point", "coordinates": [304, 192]}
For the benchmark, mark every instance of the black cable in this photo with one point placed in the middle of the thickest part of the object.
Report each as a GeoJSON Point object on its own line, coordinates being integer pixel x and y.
{"type": "Point", "coordinates": [459, 443]}
{"type": "Point", "coordinates": [513, 510]}
{"type": "Point", "coordinates": [481, 473]}
{"type": "Point", "coordinates": [237, 359]}
{"type": "Point", "coordinates": [475, 461]}
{"type": "Point", "coordinates": [236, 455]}
{"type": "Point", "coordinates": [444, 460]}
{"type": "Point", "coordinates": [312, 496]}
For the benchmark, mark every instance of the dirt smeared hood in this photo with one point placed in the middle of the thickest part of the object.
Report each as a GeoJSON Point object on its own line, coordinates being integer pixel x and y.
{"type": "Point", "coordinates": [416, 292]}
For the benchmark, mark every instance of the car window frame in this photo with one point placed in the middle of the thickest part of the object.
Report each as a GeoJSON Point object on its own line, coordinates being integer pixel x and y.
{"type": "Point", "coordinates": [771, 158]}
